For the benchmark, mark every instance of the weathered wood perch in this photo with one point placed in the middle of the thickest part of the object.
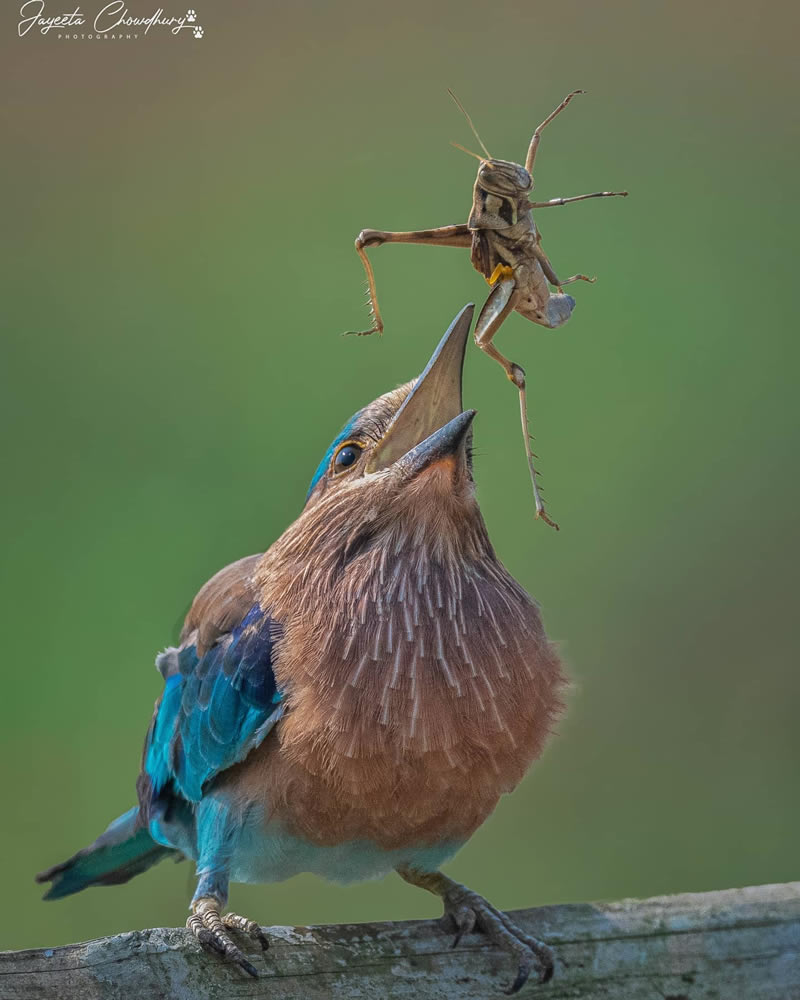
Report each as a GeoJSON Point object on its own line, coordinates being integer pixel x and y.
{"type": "Point", "coordinates": [738, 944]}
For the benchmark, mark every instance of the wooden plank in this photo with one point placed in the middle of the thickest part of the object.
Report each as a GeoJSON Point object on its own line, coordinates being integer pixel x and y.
{"type": "Point", "coordinates": [736, 944]}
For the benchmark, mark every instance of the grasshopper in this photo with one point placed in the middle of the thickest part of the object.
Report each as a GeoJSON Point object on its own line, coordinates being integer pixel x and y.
{"type": "Point", "coordinates": [505, 247]}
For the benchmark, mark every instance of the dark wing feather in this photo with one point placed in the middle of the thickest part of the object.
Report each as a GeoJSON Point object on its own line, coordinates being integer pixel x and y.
{"type": "Point", "coordinates": [220, 697]}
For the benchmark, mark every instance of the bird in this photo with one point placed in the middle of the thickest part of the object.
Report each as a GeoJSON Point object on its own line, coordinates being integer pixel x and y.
{"type": "Point", "coordinates": [356, 699]}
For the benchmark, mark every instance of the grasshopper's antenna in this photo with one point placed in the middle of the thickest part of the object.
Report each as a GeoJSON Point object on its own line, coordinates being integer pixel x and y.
{"type": "Point", "coordinates": [469, 151]}
{"type": "Point", "coordinates": [474, 130]}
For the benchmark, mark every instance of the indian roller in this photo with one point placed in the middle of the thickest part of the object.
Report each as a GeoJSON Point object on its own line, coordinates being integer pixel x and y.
{"type": "Point", "coordinates": [356, 699]}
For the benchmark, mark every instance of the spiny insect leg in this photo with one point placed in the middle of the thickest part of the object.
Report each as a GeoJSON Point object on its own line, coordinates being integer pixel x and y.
{"type": "Point", "coordinates": [498, 306]}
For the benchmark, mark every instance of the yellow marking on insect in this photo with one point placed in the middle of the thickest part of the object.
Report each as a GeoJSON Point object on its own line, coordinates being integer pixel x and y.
{"type": "Point", "coordinates": [501, 271]}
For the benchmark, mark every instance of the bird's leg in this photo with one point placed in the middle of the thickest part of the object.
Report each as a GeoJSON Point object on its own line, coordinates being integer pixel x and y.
{"type": "Point", "coordinates": [444, 236]}
{"type": "Point", "coordinates": [500, 304]}
{"type": "Point", "coordinates": [211, 927]}
{"type": "Point", "coordinates": [465, 910]}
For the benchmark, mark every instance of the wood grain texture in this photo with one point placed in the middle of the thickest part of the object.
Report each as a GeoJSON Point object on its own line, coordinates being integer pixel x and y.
{"type": "Point", "coordinates": [736, 944]}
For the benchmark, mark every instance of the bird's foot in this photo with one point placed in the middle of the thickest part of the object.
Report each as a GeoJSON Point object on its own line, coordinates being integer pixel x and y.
{"type": "Point", "coordinates": [210, 928]}
{"type": "Point", "coordinates": [464, 910]}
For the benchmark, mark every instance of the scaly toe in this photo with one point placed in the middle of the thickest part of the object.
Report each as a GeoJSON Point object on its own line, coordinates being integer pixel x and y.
{"type": "Point", "coordinates": [248, 927]}
{"type": "Point", "coordinates": [530, 953]}
{"type": "Point", "coordinates": [207, 926]}
{"type": "Point", "coordinates": [462, 919]}
{"type": "Point", "coordinates": [208, 940]}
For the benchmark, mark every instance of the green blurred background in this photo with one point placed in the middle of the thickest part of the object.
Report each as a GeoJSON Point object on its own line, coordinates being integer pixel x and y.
{"type": "Point", "coordinates": [179, 218]}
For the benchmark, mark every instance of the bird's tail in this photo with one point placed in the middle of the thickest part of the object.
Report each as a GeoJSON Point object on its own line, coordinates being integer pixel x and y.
{"type": "Point", "coordinates": [125, 849]}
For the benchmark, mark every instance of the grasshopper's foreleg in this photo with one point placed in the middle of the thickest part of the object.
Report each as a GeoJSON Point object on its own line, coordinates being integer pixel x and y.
{"type": "Point", "coordinates": [500, 304]}
{"type": "Point", "coordinates": [577, 197]}
{"type": "Point", "coordinates": [444, 236]}
{"type": "Point", "coordinates": [537, 133]}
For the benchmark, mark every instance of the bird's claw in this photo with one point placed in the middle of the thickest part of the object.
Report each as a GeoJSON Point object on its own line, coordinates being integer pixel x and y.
{"type": "Point", "coordinates": [467, 910]}
{"type": "Point", "coordinates": [211, 930]}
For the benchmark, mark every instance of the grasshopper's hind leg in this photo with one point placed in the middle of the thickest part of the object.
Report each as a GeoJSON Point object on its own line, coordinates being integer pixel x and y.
{"type": "Point", "coordinates": [444, 236]}
{"type": "Point", "coordinates": [498, 306]}
{"type": "Point", "coordinates": [374, 310]}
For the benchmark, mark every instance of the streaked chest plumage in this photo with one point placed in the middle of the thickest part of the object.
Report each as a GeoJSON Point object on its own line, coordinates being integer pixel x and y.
{"type": "Point", "coordinates": [419, 687]}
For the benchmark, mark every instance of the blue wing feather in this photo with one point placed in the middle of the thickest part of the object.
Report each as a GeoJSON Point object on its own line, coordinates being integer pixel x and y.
{"type": "Point", "coordinates": [215, 709]}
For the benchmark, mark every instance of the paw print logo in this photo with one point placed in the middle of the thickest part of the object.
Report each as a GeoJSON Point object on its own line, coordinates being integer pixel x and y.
{"type": "Point", "coordinates": [191, 16]}
{"type": "Point", "coordinates": [198, 32]}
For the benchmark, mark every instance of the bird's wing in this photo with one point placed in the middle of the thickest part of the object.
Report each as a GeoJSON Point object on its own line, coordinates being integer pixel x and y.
{"type": "Point", "coordinates": [220, 697]}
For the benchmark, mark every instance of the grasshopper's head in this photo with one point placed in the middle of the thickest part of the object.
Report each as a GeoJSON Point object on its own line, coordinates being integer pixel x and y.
{"type": "Point", "coordinates": [499, 177]}
{"type": "Point", "coordinates": [503, 178]}
{"type": "Point", "coordinates": [500, 195]}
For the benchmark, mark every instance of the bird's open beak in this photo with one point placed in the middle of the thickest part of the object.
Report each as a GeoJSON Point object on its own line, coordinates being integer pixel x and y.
{"type": "Point", "coordinates": [430, 425]}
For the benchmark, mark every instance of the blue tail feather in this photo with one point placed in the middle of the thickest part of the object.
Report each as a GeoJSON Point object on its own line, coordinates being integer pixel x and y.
{"type": "Point", "coordinates": [123, 850]}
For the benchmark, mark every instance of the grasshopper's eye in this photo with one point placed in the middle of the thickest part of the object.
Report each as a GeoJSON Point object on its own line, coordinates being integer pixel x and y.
{"type": "Point", "coordinates": [346, 457]}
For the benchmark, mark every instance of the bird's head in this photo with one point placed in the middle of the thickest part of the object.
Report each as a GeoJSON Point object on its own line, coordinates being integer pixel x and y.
{"type": "Point", "coordinates": [406, 456]}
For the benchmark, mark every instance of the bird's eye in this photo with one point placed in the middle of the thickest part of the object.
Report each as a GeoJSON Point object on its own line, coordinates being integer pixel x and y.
{"type": "Point", "coordinates": [346, 457]}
